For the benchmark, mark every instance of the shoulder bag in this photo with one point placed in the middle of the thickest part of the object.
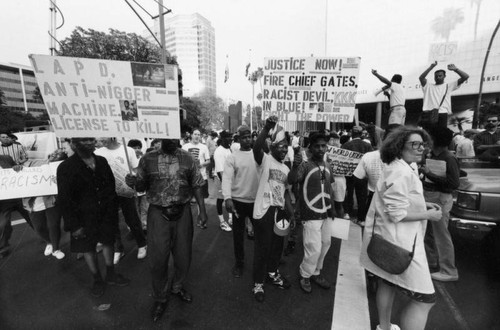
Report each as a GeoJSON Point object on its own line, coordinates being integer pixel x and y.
{"type": "Point", "coordinates": [388, 256]}
{"type": "Point", "coordinates": [432, 116]}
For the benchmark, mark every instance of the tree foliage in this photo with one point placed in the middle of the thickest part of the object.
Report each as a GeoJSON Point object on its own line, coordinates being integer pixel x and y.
{"type": "Point", "coordinates": [193, 113]}
{"type": "Point", "coordinates": [212, 110]}
{"type": "Point", "coordinates": [443, 25]}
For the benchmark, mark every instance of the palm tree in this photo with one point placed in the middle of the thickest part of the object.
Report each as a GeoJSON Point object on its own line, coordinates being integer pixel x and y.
{"type": "Point", "coordinates": [478, 8]}
{"type": "Point", "coordinates": [443, 25]}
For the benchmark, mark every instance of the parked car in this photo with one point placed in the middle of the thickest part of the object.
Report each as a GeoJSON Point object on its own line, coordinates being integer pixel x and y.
{"type": "Point", "coordinates": [476, 209]}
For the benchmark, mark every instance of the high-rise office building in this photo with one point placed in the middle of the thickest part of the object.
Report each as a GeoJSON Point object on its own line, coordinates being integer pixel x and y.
{"type": "Point", "coordinates": [192, 39]}
{"type": "Point", "coordinates": [18, 84]}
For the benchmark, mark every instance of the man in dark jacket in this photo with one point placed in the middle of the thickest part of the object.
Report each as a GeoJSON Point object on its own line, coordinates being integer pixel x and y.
{"type": "Point", "coordinates": [88, 202]}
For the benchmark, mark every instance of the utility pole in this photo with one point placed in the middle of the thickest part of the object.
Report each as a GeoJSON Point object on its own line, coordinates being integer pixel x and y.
{"type": "Point", "coordinates": [53, 28]}
{"type": "Point", "coordinates": [162, 32]}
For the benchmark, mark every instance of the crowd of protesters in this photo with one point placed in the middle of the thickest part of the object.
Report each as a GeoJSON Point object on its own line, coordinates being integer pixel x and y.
{"type": "Point", "coordinates": [271, 183]}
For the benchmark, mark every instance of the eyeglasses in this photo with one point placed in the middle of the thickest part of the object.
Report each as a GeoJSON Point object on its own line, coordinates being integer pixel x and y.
{"type": "Point", "coordinates": [415, 145]}
{"type": "Point", "coordinates": [491, 121]}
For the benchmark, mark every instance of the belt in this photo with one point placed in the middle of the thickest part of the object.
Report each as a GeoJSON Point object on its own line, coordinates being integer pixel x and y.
{"type": "Point", "coordinates": [398, 105]}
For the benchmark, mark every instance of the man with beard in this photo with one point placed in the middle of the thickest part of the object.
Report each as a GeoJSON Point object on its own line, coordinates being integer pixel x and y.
{"type": "Point", "coordinates": [170, 176]}
{"type": "Point", "coordinates": [89, 205]}
{"type": "Point", "coordinates": [489, 137]}
{"type": "Point", "coordinates": [271, 200]}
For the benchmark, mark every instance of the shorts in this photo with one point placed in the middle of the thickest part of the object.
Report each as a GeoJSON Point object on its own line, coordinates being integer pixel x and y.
{"type": "Point", "coordinates": [204, 190]}
{"type": "Point", "coordinates": [428, 298]}
{"type": "Point", "coordinates": [339, 187]}
{"type": "Point", "coordinates": [105, 234]}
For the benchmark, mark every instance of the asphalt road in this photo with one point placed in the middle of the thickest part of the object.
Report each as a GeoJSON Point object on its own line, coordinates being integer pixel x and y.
{"type": "Point", "coordinates": [38, 292]}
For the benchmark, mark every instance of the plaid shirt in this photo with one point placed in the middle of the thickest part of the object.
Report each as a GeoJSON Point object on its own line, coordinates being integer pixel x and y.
{"type": "Point", "coordinates": [16, 151]}
{"type": "Point", "coordinates": [168, 179]}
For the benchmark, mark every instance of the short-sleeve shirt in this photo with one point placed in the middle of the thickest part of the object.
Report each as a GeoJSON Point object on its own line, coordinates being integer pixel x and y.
{"type": "Point", "coordinates": [397, 95]}
{"type": "Point", "coordinates": [315, 190]}
{"type": "Point", "coordinates": [371, 167]}
{"type": "Point", "coordinates": [433, 94]}
{"type": "Point", "coordinates": [200, 153]}
{"type": "Point", "coordinates": [220, 156]}
{"type": "Point", "coordinates": [273, 181]}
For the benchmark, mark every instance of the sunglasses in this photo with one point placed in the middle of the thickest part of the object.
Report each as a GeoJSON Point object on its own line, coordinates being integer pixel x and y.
{"type": "Point", "coordinates": [415, 145]}
{"type": "Point", "coordinates": [491, 121]}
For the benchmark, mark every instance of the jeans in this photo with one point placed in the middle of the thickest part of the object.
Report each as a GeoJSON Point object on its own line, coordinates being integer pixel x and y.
{"type": "Point", "coordinates": [142, 208]}
{"type": "Point", "coordinates": [165, 237]}
{"type": "Point", "coordinates": [47, 224]}
{"type": "Point", "coordinates": [241, 212]}
{"type": "Point", "coordinates": [129, 211]}
{"type": "Point", "coordinates": [317, 240]}
{"type": "Point", "coordinates": [438, 243]}
{"type": "Point", "coordinates": [267, 246]}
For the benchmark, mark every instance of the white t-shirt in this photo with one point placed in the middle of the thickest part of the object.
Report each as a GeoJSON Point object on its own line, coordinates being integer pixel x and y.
{"type": "Point", "coordinates": [397, 95]}
{"type": "Point", "coordinates": [433, 94]}
{"type": "Point", "coordinates": [273, 181]}
{"type": "Point", "coordinates": [220, 156]}
{"type": "Point", "coordinates": [235, 146]}
{"type": "Point", "coordinates": [117, 160]}
{"type": "Point", "coordinates": [295, 141]}
{"type": "Point", "coordinates": [371, 167]}
{"type": "Point", "coordinates": [200, 153]}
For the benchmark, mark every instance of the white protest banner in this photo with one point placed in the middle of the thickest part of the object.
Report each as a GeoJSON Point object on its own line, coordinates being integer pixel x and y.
{"type": "Point", "coordinates": [102, 98]}
{"type": "Point", "coordinates": [38, 144]}
{"type": "Point", "coordinates": [310, 88]}
{"type": "Point", "coordinates": [343, 161]}
{"type": "Point", "coordinates": [30, 182]}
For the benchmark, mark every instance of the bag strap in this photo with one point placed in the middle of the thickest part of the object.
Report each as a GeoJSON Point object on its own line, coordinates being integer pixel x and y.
{"type": "Point", "coordinates": [414, 240]}
{"type": "Point", "coordinates": [444, 96]}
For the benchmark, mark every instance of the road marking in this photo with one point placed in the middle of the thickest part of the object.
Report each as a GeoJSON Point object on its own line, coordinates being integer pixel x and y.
{"type": "Point", "coordinates": [455, 311]}
{"type": "Point", "coordinates": [350, 308]}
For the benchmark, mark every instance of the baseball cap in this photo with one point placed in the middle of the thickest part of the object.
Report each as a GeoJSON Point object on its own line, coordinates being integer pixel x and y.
{"type": "Point", "coordinates": [243, 129]}
{"type": "Point", "coordinates": [357, 129]}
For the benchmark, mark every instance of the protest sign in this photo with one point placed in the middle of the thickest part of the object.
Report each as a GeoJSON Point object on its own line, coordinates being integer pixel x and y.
{"type": "Point", "coordinates": [30, 182]}
{"type": "Point", "coordinates": [38, 144]}
{"type": "Point", "coordinates": [102, 98]}
{"type": "Point", "coordinates": [343, 161]}
{"type": "Point", "coordinates": [310, 88]}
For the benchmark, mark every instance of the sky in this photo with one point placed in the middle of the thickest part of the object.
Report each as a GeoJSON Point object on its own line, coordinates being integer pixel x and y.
{"type": "Point", "coordinates": [389, 35]}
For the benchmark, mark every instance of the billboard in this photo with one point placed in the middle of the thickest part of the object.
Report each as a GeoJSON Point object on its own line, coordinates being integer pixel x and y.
{"type": "Point", "coordinates": [103, 98]}
{"type": "Point", "coordinates": [310, 88]}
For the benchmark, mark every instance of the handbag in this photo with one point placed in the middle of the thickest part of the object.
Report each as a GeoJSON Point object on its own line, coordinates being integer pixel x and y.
{"type": "Point", "coordinates": [388, 256]}
{"type": "Point", "coordinates": [432, 116]}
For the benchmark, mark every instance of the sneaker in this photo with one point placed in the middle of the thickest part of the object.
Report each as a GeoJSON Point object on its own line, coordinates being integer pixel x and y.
{"type": "Point", "coordinates": [142, 252]}
{"type": "Point", "coordinates": [258, 292]}
{"type": "Point", "coordinates": [443, 277]}
{"type": "Point", "coordinates": [278, 280]}
{"type": "Point", "coordinates": [117, 279]}
{"type": "Point", "coordinates": [117, 257]}
{"type": "Point", "coordinates": [58, 254]}
{"type": "Point", "coordinates": [225, 226]}
{"type": "Point", "coordinates": [230, 221]}
{"type": "Point", "coordinates": [393, 327]}
{"type": "Point", "coordinates": [305, 284]}
{"type": "Point", "coordinates": [321, 281]}
{"type": "Point", "coordinates": [347, 217]}
{"type": "Point", "coordinates": [98, 288]}
{"type": "Point", "coordinates": [98, 248]}
{"type": "Point", "coordinates": [48, 250]}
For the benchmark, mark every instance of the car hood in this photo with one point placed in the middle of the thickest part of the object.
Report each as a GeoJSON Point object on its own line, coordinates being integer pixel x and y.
{"type": "Point", "coordinates": [486, 180]}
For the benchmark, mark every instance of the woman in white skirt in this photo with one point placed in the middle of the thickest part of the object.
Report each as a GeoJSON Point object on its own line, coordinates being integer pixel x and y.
{"type": "Point", "coordinates": [399, 213]}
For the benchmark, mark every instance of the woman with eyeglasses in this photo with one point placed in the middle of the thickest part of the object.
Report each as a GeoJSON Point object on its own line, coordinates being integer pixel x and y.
{"type": "Point", "coordinates": [399, 214]}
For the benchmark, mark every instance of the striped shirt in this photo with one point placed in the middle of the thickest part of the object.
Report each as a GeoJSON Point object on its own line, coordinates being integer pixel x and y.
{"type": "Point", "coordinates": [16, 151]}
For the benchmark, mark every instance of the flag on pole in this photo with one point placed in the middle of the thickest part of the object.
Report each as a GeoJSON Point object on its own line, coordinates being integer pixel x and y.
{"type": "Point", "coordinates": [246, 69]}
{"type": "Point", "coordinates": [226, 71]}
